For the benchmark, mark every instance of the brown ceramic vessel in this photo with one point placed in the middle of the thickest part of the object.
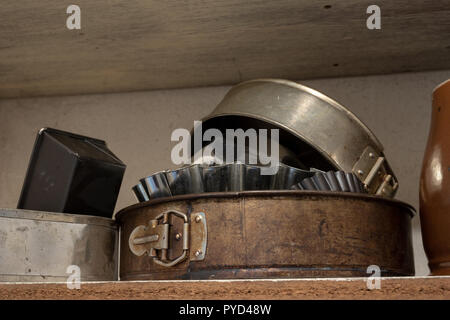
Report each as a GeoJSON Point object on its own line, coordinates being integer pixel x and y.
{"type": "Point", "coordinates": [435, 185]}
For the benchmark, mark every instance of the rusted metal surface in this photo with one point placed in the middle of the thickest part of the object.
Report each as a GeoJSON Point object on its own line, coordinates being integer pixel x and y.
{"type": "Point", "coordinates": [279, 234]}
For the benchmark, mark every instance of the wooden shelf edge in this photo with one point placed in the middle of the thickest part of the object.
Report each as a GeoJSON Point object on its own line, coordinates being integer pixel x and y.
{"type": "Point", "coordinates": [267, 289]}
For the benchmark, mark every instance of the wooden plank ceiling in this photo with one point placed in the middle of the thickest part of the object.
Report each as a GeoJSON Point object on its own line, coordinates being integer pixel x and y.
{"type": "Point", "coordinates": [147, 44]}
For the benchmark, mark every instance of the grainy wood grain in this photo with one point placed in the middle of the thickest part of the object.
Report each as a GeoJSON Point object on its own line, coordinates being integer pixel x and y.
{"type": "Point", "coordinates": [391, 288]}
{"type": "Point", "coordinates": [141, 44]}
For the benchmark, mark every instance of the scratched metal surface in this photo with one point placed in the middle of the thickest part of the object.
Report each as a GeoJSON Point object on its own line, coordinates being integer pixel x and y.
{"type": "Point", "coordinates": [39, 246]}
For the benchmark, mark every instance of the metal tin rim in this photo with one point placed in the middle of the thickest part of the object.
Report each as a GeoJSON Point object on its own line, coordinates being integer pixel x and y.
{"type": "Point", "coordinates": [322, 96]}
{"type": "Point", "coordinates": [311, 91]}
{"type": "Point", "coordinates": [264, 193]}
{"type": "Point", "coordinates": [56, 217]}
{"type": "Point", "coordinates": [180, 168]}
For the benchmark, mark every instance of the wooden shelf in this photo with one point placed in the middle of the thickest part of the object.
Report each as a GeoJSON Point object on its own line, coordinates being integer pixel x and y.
{"type": "Point", "coordinates": [141, 45]}
{"type": "Point", "coordinates": [342, 288]}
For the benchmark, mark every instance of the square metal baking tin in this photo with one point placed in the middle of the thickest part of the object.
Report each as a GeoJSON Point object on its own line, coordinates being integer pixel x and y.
{"type": "Point", "coordinates": [71, 173]}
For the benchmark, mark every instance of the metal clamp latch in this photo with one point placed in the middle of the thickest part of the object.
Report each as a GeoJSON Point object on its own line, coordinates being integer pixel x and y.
{"type": "Point", "coordinates": [154, 238]}
{"type": "Point", "coordinates": [373, 170]}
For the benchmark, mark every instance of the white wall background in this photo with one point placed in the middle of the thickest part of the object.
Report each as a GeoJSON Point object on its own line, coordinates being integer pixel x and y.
{"type": "Point", "coordinates": [137, 127]}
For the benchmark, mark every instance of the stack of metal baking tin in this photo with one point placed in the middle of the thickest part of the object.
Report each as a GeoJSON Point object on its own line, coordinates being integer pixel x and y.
{"type": "Point", "coordinates": [327, 212]}
{"type": "Point", "coordinates": [64, 224]}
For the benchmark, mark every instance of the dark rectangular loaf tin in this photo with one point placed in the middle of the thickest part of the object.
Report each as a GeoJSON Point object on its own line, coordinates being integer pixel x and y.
{"type": "Point", "coordinates": [71, 173]}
